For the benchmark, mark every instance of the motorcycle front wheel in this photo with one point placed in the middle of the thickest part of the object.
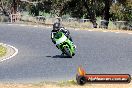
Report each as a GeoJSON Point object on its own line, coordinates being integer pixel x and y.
{"type": "Point", "coordinates": [67, 52]}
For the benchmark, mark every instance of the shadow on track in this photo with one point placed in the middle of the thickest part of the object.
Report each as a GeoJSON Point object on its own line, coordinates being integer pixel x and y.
{"type": "Point", "coordinates": [58, 56]}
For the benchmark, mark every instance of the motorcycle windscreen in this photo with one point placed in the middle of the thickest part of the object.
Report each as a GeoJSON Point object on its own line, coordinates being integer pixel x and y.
{"type": "Point", "coordinates": [61, 39]}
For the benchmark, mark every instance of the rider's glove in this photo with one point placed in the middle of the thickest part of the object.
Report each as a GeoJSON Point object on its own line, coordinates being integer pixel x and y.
{"type": "Point", "coordinates": [62, 29]}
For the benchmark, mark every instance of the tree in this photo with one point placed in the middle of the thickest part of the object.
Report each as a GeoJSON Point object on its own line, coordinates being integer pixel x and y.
{"type": "Point", "coordinates": [80, 9]}
{"type": "Point", "coordinates": [58, 7]}
{"type": "Point", "coordinates": [5, 6]}
{"type": "Point", "coordinates": [45, 6]}
{"type": "Point", "coordinates": [106, 14]}
{"type": "Point", "coordinates": [91, 10]}
{"type": "Point", "coordinates": [122, 10]}
{"type": "Point", "coordinates": [74, 8]}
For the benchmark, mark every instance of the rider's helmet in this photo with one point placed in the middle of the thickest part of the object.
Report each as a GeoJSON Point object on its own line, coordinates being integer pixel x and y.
{"type": "Point", "coordinates": [56, 26]}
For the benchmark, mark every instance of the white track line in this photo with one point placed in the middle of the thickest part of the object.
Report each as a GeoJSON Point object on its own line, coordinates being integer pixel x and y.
{"type": "Point", "coordinates": [76, 29]}
{"type": "Point", "coordinates": [117, 32]}
{"type": "Point", "coordinates": [22, 25]}
{"type": "Point", "coordinates": [130, 33]}
{"type": "Point", "coordinates": [48, 27]}
{"type": "Point", "coordinates": [35, 26]}
{"type": "Point", "coordinates": [16, 52]}
{"type": "Point", "coordinates": [90, 30]}
{"type": "Point", "coordinates": [9, 24]}
{"type": "Point", "coordinates": [105, 31]}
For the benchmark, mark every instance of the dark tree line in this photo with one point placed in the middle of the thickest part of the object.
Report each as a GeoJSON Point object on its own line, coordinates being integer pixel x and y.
{"type": "Point", "coordinates": [89, 9]}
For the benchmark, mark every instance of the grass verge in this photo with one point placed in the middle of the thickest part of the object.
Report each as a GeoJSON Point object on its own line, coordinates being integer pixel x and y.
{"type": "Point", "coordinates": [3, 51]}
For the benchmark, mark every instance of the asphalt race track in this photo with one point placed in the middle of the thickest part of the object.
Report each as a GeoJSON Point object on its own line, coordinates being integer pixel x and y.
{"type": "Point", "coordinates": [39, 60]}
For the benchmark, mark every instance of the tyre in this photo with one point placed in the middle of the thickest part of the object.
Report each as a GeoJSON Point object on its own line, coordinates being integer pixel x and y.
{"type": "Point", "coordinates": [73, 54]}
{"type": "Point", "coordinates": [81, 80]}
{"type": "Point", "coordinates": [67, 52]}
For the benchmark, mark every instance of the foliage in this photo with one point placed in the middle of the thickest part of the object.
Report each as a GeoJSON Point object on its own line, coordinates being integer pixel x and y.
{"type": "Point", "coordinates": [5, 6]}
{"type": "Point", "coordinates": [33, 10]}
{"type": "Point", "coordinates": [74, 8]}
{"type": "Point", "coordinates": [2, 51]}
{"type": "Point", "coordinates": [45, 6]}
{"type": "Point", "coordinates": [89, 9]}
{"type": "Point", "coordinates": [122, 11]}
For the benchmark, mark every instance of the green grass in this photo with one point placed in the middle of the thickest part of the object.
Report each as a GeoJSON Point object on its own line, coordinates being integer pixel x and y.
{"type": "Point", "coordinates": [59, 84]}
{"type": "Point", "coordinates": [66, 83]}
{"type": "Point", "coordinates": [3, 51]}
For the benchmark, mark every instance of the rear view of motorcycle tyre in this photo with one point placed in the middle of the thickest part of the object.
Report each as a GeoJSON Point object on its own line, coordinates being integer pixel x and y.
{"type": "Point", "coordinates": [67, 51]}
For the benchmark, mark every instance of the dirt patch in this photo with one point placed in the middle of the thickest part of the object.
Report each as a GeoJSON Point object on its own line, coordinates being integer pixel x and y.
{"type": "Point", "coordinates": [56, 85]}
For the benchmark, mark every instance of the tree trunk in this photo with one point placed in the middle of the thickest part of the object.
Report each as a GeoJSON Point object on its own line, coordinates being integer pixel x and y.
{"type": "Point", "coordinates": [106, 15]}
{"type": "Point", "coordinates": [14, 7]}
{"type": "Point", "coordinates": [91, 14]}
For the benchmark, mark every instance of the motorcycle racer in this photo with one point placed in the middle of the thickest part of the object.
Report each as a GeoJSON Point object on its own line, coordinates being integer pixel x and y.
{"type": "Point", "coordinates": [57, 27]}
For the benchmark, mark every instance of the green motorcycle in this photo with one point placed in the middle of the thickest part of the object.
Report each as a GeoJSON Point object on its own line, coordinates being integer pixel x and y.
{"type": "Point", "coordinates": [64, 44]}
